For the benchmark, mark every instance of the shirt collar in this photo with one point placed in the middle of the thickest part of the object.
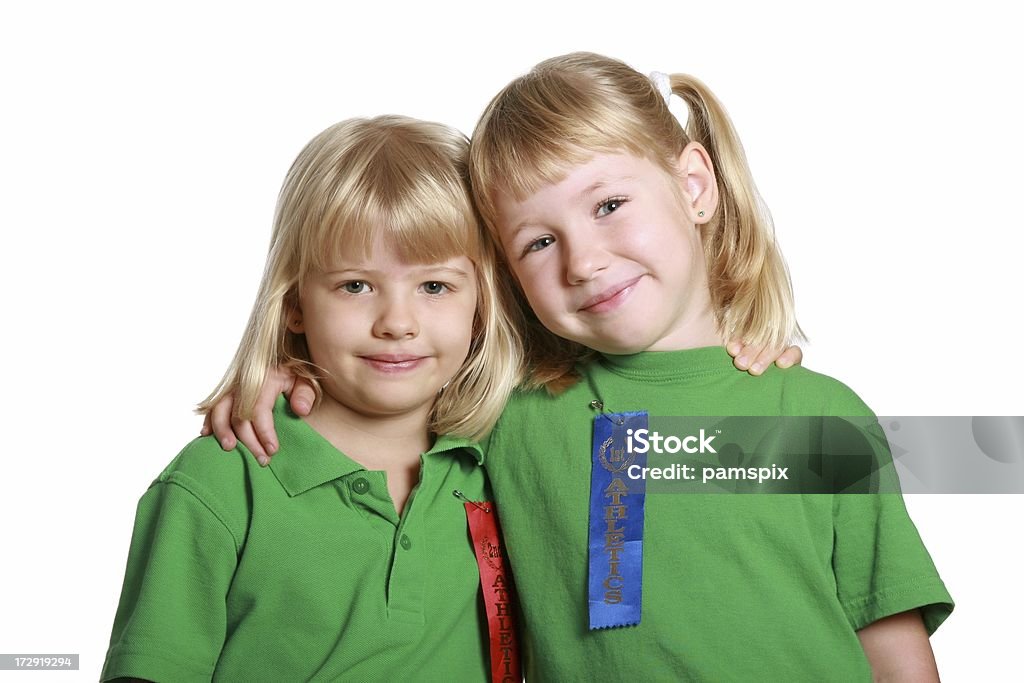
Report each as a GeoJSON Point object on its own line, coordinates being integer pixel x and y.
{"type": "Point", "coordinates": [306, 460]}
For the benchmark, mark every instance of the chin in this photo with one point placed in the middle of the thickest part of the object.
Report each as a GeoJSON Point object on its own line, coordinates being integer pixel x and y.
{"type": "Point", "coordinates": [617, 348]}
{"type": "Point", "coordinates": [617, 339]}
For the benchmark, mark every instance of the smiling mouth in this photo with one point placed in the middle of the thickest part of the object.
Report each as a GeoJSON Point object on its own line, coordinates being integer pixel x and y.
{"type": "Point", "coordinates": [610, 298]}
{"type": "Point", "coordinates": [393, 363]}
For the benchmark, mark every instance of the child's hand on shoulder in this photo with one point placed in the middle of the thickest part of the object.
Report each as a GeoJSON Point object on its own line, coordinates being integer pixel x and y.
{"type": "Point", "coordinates": [754, 359]}
{"type": "Point", "coordinates": [258, 434]}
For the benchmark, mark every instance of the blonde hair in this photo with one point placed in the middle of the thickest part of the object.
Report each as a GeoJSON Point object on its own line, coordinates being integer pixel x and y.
{"type": "Point", "coordinates": [405, 181]}
{"type": "Point", "coordinates": [571, 107]}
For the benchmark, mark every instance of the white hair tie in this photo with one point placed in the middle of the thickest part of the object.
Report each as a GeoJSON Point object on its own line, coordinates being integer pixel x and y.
{"type": "Point", "coordinates": [663, 85]}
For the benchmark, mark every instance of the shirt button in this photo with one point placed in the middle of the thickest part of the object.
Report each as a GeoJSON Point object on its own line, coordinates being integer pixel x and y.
{"type": "Point", "coordinates": [406, 542]}
{"type": "Point", "coordinates": [360, 485]}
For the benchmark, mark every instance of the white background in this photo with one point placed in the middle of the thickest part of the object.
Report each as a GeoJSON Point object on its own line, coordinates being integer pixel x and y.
{"type": "Point", "coordinates": [141, 150]}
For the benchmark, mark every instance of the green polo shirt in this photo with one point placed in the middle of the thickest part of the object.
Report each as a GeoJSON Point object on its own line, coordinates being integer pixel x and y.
{"type": "Point", "coordinates": [302, 570]}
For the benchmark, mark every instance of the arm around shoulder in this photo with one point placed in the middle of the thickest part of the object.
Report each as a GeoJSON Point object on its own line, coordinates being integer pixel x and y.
{"type": "Point", "coordinates": [258, 433]}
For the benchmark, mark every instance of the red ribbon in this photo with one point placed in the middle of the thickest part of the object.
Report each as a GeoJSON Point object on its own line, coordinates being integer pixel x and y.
{"type": "Point", "coordinates": [498, 594]}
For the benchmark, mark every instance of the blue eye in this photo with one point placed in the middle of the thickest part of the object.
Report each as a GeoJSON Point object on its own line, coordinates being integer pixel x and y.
{"type": "Point", "coordinates": [354, 287]}
{"type": "Point", "coordinates": [609, 205]}
{"type": "Point", "coordinates": [538, 244]}
{"type": "Point", "coordinates": [434, 287]}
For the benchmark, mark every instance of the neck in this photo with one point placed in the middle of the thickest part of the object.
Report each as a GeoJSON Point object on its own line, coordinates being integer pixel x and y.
{"type": "Point", "coordinates": [696, 329]}
{"type": "Point", "coordinates": [374, 441]}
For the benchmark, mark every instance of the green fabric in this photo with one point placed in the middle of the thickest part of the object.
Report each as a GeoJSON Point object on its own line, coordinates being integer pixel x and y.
{"type": "Point", "coordinates": [302, 570]}
{"type": "Point", "coordinates": [735, 587]}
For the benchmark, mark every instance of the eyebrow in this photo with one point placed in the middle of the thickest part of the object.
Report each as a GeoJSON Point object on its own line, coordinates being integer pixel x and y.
{"type": "Point", "coordinates": [419, 272]}
{"type": "Point", "coordinates": [448, 270]}
{"type": "Point", "coordinates": [520, 226]}
{"type": "Point", "coordinates": [598, 184]}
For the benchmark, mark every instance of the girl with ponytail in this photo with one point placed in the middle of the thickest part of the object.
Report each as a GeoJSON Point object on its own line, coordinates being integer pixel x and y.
{"type": "Point", "coordinates": [639, 245]}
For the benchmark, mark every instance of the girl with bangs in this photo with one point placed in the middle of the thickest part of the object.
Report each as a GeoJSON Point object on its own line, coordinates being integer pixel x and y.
{"type": "Point", "coordinates": [638, 245]}
{"type": "Point", "coordinates": [348, 557]}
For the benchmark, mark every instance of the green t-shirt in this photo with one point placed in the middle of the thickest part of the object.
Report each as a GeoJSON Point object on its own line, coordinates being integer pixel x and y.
{"type": "Point", "coordinates": [735, 587]}
{"type": "Point", "coordinates": [302, 570]}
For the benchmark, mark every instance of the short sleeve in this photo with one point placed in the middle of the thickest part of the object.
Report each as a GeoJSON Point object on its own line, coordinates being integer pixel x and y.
{"type": "Point", "coordinates": [171, 619]}
{"type": "Point", "coordinates": [881, 566]}
{"type": "Point", "coordinates": [880, 562]}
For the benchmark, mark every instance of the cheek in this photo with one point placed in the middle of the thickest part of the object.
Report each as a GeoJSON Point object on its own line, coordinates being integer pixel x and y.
{"type": "Point", "coordinates": [322, 341]}
{"type": "Point", "coordinates": [548, 305]}
{"type": "Point", "coordinates": [534, 278]}
{"type": "Point", "coordinates": [330, 324]}
{"type": "Point", "coordinates": [464, 326]}
{"type": "Point", "coordinates": [455, 325]}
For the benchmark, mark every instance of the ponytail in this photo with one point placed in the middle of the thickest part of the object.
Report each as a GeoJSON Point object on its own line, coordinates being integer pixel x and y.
{"type": "Point", "coordinates": [750, 286]}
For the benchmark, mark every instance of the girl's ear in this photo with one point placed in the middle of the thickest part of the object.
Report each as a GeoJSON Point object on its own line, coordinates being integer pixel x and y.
{"type": "Point", "coordinates": [697, 177]}
{"type": "Point", "coordinates": [294, 317]}
{"type": "Point", "coordinates": [293, 311]}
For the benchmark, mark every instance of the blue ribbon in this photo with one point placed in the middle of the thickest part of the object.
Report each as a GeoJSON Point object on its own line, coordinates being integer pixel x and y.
{"type": "Point", "coordinates": [616, 522]}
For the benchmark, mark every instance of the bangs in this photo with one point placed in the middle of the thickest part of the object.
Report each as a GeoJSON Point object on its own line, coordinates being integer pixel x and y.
{"type": "Point", "coordinates": [382, 181]}
{"type": "Point", "coordinates": [541, 126]}
{"type": "Point", "coordinates": [424, 219]}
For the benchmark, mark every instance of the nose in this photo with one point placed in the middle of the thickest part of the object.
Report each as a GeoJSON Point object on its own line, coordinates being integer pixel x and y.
{"type": "Point", "coordinates": [396, 319]}
{"type": "Point", "coordinates": [584, 259]}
